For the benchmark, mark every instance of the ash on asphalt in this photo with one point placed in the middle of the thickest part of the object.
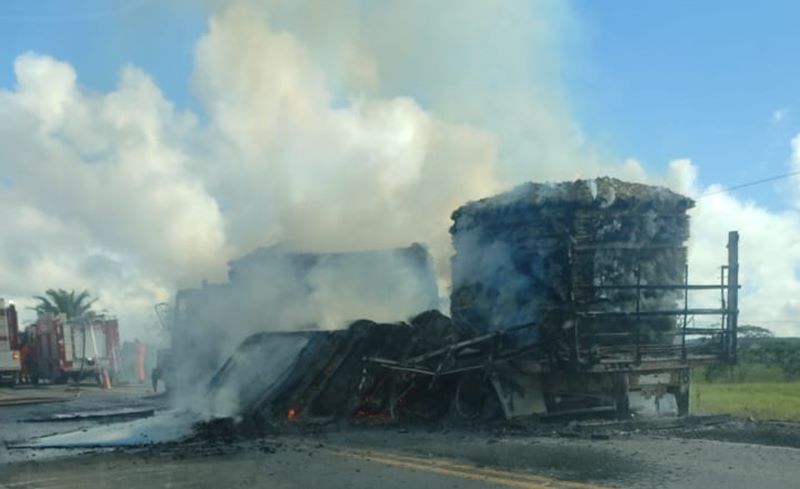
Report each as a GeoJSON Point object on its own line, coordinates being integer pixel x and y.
{"type": "Point", "coordinates": [777, 434]}
{"type": "Point", "coordinates": [101, 415]}
{"type": "Point", "coordinates": [81, 410]}
{"type": "Point", "coordinates": [576, 449]}
{"type": "Point", "coordinates": [630, 453]}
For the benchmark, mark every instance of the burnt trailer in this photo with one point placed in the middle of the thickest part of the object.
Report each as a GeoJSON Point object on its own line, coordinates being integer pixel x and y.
{"type": "Point", "coordinates": [600, 267]}
{"type": "Point", "coordinates": [567, 299]}
{"type": "Point", "coordinates": [580, 297]}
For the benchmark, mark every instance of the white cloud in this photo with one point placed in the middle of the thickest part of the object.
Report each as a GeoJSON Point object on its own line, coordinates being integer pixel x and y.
{"type": "Point", "coordinates": [99, 177]}
{"type": "Point", "coordinates": [769, 250]}
{"type": "Point", "coordinates": [121, 193]}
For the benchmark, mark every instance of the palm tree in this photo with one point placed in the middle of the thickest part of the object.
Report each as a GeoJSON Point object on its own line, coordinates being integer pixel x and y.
{"type": "Point", "coordinates": [65, 302]}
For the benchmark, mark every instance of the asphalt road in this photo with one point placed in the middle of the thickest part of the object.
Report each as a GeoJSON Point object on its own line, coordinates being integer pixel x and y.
{"type": "Point", "coordinates": [390, 458]}
{"type": "Point", "coordinates": [59, 399]}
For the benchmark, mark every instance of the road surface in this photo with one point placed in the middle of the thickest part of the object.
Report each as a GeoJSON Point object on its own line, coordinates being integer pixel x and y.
{"type": "Point", "coordinates": [388, 458]}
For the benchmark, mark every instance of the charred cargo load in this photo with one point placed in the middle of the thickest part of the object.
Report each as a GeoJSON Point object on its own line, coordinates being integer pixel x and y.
{"type": "Point", "coordinates": [599, 268]}
{"type": "Point", "coordinates": [306, 375]}
{"type": "Point", "coordinates": [545, 252]}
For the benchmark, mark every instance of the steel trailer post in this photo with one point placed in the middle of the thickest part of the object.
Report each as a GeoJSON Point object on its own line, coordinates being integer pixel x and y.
{"type": "Point", "coordinates": [723, 317]}
{"type": "Point", "coordinates": [685, 310]}
{"type": "Point", "coordinates": [638, 314]}
{"type": "Point", "coordinates": [733, 294]}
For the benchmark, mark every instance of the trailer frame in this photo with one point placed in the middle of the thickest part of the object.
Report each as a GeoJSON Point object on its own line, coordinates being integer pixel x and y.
{"type": "Point", "coordinates": [630, 373]}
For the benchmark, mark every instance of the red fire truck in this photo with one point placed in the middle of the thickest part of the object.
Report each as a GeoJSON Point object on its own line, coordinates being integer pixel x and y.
{"type": "Point", "coordinates": [74, 350]}
{"type": "Point", "coordinates": [10, 365]}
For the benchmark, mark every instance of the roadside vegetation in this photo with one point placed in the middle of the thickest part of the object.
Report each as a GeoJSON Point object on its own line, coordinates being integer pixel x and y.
{"type": "Point", "coordinates": [70, 303]}
{"type": "Point", "coordinates": [764, 385]}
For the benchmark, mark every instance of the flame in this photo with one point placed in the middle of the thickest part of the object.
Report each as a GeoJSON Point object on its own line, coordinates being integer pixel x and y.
{"type": "Point", "coordinates": [371, 413]}
{"type": "Point", "coordinates": [291, 414]}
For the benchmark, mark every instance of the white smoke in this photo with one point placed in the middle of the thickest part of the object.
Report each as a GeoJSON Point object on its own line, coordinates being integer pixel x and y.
{"type": "Point", "coordinates": [327, 126]}
{"type": "Point", "coordinates": [291, 162]}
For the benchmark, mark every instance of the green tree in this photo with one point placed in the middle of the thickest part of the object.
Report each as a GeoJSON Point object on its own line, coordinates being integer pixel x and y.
{"type": "Point", "coordinates": [73, 305]}
{"type": "Point", "coordinates": [749, 331]}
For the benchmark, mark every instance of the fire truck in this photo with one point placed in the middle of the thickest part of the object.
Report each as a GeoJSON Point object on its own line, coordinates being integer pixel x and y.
{"type": "Point", "coordinates": [74, 350]}
{"type": "Point", "coordinates": [10, 364]}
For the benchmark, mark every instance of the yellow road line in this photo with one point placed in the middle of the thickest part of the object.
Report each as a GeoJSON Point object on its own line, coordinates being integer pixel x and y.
{"type": "Point", "coordinates": [446, 467]}
{"type": "Point", "coordinates": [118, 474]}
{"type": "Point", "coordinates": [487, 470]}
{"type": "Point", "coordinates": [453, 473]}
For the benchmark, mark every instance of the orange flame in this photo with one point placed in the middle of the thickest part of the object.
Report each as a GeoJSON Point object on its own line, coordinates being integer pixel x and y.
{"type": "Point", "coordinates": [292, 414]}
{"type": "Point", "coordinates": [371, 414]}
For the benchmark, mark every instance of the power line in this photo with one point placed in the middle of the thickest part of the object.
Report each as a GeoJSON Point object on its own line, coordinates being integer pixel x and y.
{"type": "Point", "coordinates": [750, 184]}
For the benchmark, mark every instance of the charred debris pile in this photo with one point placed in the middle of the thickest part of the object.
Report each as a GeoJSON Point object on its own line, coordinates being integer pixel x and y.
{"type": "Point", "coordinates": [324, 375]}
{"type": "Point", "coordinates": [529, 265]}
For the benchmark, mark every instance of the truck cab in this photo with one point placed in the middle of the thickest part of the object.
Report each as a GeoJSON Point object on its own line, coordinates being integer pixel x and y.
{"type": "Point", "coordinates": [69, 350]}
{"type": "Point", "coordinates": [10, 363]}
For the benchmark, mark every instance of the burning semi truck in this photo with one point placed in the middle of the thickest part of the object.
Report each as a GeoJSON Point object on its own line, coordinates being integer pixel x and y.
{"type": "Point", "coordinates": [566, 298]}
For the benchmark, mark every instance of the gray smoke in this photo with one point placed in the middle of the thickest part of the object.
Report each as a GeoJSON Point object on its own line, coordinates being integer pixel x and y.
{"type": "Point", "coordinates": [275, 289]}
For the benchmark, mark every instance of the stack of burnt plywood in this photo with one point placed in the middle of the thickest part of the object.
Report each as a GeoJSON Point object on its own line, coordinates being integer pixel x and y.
{"type": "Point", "coordinates": [539, 252]}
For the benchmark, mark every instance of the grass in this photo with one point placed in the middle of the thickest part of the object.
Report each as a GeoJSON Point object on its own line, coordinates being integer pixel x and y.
{"type": "Point", "coordinates": [760, 400]}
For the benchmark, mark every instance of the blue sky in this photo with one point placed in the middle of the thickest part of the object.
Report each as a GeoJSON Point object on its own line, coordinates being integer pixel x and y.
{"type": "Point", "coordinates": [649, 80]}
{"type": "Point", "coordinates": [661, 80]}
{"type": "Point", "coordinates": [99, 37]}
